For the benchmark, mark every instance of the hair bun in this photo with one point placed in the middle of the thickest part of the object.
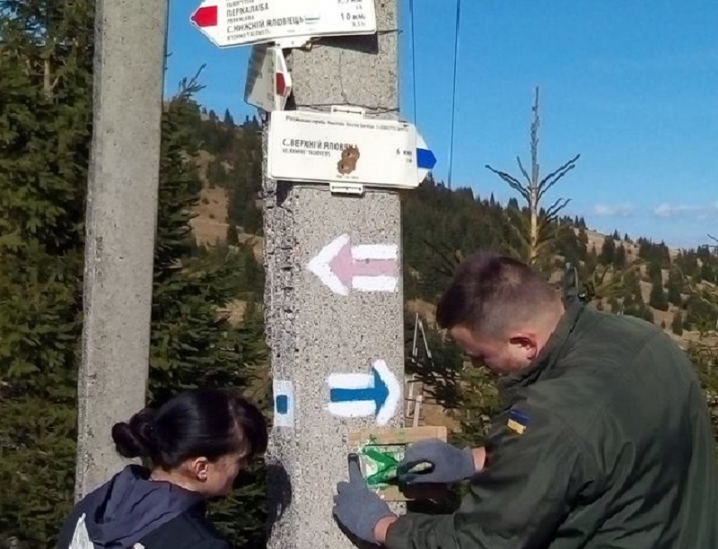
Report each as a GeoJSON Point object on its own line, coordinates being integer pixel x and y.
{"type": "Point", "coordinates": [138, 437]}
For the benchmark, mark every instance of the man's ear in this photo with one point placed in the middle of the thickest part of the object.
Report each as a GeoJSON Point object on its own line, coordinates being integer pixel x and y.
{"type": "Point", "coordinates": [198, 467]}
{"type": "Point", "coordinates": [527, 342]}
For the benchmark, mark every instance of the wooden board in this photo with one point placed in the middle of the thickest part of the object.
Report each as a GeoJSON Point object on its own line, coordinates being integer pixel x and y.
{"type": "Point", "coordinates": [395, 440]}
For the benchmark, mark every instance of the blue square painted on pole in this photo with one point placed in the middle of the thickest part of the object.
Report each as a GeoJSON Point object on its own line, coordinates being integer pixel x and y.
{"type": "Point", "coordinates": [283, 403]}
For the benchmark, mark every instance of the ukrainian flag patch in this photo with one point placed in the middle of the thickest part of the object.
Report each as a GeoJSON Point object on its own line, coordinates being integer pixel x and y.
{"type": "Point", "coordinates": [517, 422]}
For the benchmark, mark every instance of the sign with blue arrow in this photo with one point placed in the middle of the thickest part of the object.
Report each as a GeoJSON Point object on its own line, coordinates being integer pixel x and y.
{"type": "Point", "coordinates": [360, 395]}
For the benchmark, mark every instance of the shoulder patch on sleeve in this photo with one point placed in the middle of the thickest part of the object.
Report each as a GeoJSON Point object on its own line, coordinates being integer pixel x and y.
{"type": "Point", "coordinates": [518, 422]}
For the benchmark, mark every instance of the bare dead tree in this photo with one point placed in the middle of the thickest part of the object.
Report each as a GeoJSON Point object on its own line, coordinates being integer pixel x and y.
{"type": "Point", "coordinates": [538, 228]}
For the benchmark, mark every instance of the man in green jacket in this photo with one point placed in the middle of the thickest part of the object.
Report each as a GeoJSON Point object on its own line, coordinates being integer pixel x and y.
{"type": "Point", "coordinates": [604, 440]}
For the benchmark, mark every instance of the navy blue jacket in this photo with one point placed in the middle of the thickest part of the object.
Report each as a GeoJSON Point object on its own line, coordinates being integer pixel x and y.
{"type": "Point", "coordinates": [130, 509]}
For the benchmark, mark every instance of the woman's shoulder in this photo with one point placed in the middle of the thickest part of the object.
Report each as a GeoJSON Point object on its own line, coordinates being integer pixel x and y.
{"type": "Point", "coordinates": [189, 530]}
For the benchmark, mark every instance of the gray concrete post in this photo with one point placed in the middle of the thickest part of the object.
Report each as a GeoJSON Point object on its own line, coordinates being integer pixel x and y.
{"type": "Point", "coordinates": [121, 220]}
{"type": "Point", "coordinates": [313, 332]}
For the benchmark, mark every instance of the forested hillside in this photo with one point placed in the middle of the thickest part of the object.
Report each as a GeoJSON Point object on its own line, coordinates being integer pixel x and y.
{"type": "Point", "coordinates": [199, 333]}
{"type": "Point", "coordinates": [631, 276]}
{"type": "Point", "coordinates": [207, 316]}
{"type": "Point", "coordinates": [675, 289]}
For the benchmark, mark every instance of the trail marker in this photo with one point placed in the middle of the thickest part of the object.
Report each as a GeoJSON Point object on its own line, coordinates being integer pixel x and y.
{"type": "Point", "coordinates": [283, 391]}
{"type": "Point", "coordinates": [366, 268]}
{"type": "Point", "coordinates": [269, 81]}
{"type": "Point", "coordinates": [230, 23]}
{"type": "Point", "coordinates": [346, 150]}
{"type": "Point", "coordinates": [359, 395]}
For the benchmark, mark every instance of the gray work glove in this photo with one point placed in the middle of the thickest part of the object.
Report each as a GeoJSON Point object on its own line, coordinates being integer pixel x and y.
{"type": "Point", "coordinates": [357, 508]}
{"type": "Point", "coordinates": [448, 464]}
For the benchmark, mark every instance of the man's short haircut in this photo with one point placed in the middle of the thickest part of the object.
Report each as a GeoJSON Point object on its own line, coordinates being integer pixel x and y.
{"type": "Point", "coordinates": [492, 293]}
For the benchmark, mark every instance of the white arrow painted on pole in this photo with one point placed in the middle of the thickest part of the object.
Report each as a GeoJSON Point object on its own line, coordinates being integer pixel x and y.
{"type": "Point", "coordinates": [360, 395]}
{"type": "Point", "coordinates": [367, 268]}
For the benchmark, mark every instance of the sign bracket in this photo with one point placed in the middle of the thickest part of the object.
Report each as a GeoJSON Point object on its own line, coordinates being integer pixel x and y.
{"type": "Point", "coordinates": [346, 188]}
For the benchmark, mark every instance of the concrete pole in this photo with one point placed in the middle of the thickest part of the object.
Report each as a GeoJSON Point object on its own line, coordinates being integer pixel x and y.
{"type": "Point", "coordinates": [312, 331]}
{"type": "Point", "coordinates": [121, 221]}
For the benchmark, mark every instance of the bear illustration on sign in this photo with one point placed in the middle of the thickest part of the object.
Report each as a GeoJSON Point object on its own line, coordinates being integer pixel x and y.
{"type": "Point", "coordinates": [348, 163]}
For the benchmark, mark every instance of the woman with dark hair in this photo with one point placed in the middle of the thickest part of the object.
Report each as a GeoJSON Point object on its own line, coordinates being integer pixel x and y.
{"type": "Point", "coordinates": [193, 447]}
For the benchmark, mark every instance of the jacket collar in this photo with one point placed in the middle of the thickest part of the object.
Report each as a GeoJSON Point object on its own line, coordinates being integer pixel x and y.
{"type": "Point", "coordinates": [550, 353]}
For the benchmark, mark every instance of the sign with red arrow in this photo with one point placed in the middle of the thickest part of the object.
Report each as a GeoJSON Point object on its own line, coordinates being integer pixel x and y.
{"type": "Point", "coordinates": [230, 23]}
{"type": "Point", "coordinates": [342, 266]}
{"type": "Point", "coordinates": [269, 81]}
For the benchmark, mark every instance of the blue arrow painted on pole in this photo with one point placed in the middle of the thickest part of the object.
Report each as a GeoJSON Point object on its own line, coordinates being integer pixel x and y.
{"type": "Point", "coordinates": [425, 159]}
{"type": "Point", "coordinates": [378, 393]}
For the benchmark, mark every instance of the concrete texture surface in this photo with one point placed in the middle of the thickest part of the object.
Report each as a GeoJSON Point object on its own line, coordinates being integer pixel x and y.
{"type": "Point", "coordinates": [121, 220]}
{"type": "Point", "coordinates": [312, 331]}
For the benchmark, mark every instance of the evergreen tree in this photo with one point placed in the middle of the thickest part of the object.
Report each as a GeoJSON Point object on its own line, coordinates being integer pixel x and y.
{"type": "Point", "coordinates": [535, 226]}
{"type": "Point", "coordinates": [619, 260]}
{"type": "Point", "coordinates": [608, 251]}
{"type": "Point", "coordinates": [677, 323]}
{"type": "Point", "coordinates": [687, 263]}
{"type": "Point", "coordinates": [707, 273]}
{"type": "Point", "coordinates": [192, 343]}
{"type": "Point", "coordinates": [657, 298]}
{"type": "Point", "coordinates": [232, 236]}
{"type": "Point", "coordinates": [45, 94]}
{"type": "Point", "coordinates": [701, 312]}
{"type": "Point", "coordinates": [654, 272]}
{"type": "Point", "coordinates": [674, 286]}
{"type": "Point", "coordinates": [228, 120]}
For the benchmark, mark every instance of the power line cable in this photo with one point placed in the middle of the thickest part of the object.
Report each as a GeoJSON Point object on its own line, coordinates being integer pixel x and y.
{"type": "Point", "coordinates": [453, 93]}
{"type": "Point", "coordinates": [413, 59]}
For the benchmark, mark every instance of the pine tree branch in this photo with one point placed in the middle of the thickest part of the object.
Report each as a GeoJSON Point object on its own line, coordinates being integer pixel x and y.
{"type": "Point", "coordinates": [556, 208]}
{"type": "Point", "coordinates": [554, 177]}
{"type": "Point", "coordinates": [523, 171]}
{"type": "Point", "coordinates": [511, 181]}
{"type": "Point", "coordinates": [448, 265]}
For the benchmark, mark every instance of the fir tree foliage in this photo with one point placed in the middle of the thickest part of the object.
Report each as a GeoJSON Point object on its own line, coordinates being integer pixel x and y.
{"type": "Point", "coordinates": [45, 96]}
{"type": "Point", "coordinates": [192, 341]}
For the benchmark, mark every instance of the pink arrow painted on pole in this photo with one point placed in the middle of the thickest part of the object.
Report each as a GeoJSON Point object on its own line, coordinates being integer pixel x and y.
{"type": "Point", "coordinates": [367, 268]}
{"type": "Point", "coordinates": [346, 267]}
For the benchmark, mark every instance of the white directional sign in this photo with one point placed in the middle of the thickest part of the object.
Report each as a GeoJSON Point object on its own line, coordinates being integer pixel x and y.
{"type": "Point", "coordinates": [239, 22]}
{"type": "Point", "coordinates": [376, 393]}
{"type": "Point", "coordinates": [342, 149]}
{"type": "Point", "coordinates": [269, 82]}
{"type": "Point", "coordinates": [365, 268]}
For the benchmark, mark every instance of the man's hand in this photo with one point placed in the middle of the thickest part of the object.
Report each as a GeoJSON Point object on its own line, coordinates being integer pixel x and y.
{"type": "Point", "coordinates": [357, 508]}
{"type": "Point", "coordinates": [449, 464]}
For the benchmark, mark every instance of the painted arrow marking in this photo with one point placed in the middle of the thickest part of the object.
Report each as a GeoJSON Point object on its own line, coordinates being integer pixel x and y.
{"type": "Point", "coordinates": [361, 395]}
{"type": "Point", "coordinates": [368, 268]}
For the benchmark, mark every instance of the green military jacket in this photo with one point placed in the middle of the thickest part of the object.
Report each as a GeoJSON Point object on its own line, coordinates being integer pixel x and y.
{"type": "Point", "coordinates": [605, 442]}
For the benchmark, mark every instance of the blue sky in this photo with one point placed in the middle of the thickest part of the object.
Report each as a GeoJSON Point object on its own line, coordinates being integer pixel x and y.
{"type": "Point", "coordinates": [632, 85]}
